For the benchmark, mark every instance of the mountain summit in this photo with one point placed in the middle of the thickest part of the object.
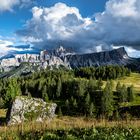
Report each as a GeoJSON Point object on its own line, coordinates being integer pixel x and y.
{"type": "Point", "coordinates": [113, 57]}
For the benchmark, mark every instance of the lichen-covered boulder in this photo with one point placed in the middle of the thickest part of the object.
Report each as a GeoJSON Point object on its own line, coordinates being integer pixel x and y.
{"type": "Point", "coordinates": [28, 109]}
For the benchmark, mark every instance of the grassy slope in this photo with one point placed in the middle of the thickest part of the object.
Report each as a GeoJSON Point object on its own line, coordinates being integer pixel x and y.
{"type": "Point", "coordinates": [133, 79]}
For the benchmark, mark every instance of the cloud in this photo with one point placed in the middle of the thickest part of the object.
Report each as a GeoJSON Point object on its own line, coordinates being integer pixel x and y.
{"type": "Point", "coordinates": [4, 49]}
{"type": "Point", "coordinates": [119, 23]}
{"type": "Point", "coordinates": [7, 47]}
{"type": "Point", "coordinates": [57, 24]}
{"type": "Point", "coordinates": [132, 52]}
{"type": "Point", "coordinates": [61, 24]}
{"type": "Point", "coordinates": [8, 5]}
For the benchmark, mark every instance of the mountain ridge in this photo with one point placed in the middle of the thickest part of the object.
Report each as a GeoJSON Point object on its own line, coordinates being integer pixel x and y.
{"type": "Point", "coordinates": [117, 56]}
{"type": "Point", "coordinates": [68, 60]}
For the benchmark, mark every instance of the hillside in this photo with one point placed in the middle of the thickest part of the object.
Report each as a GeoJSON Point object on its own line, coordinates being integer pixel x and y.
{"type": "Point", "coordinates": [133, 79]}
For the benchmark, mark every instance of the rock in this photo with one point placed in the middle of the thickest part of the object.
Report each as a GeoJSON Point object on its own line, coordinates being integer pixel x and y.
{"type": "Point", "coordinates": [26, 109]}
{"type": "Point", "coordinates": [114, 57]}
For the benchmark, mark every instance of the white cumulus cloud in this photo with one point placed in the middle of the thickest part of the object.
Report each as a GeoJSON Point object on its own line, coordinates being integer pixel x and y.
{"type": "Point", "coordinates": [118, 24]}
{"type": "Point", "coordinates": [59, 23]}
{"type": "Point", "coordinates": [8, 5]}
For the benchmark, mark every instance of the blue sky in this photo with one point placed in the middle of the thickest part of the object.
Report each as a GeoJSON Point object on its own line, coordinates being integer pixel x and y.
{"type": "Point", "coordinates": [87, 8]}
{"type": "Point", "coordinates": [87, 26]}
{"type": "Point", "coordinates": [11, 21]}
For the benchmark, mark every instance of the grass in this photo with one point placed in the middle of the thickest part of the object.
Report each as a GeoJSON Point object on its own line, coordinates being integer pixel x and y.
{"type": "Point", "coordinates": [3, 112]}
{"type": "Point", "coordinates": [66, 123]}
{"type": "Point", "coordinates": [133, 79]}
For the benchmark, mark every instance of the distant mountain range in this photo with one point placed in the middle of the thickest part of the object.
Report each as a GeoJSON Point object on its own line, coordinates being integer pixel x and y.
{"type": "Point", "coordinates": [22, 64]}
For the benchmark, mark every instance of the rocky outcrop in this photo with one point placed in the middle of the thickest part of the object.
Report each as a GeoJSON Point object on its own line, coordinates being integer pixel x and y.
{"type": "Point", "coordinates": [114, 57]}
{"type": "Point", "coordinates": [9, 62]}
{"type": "Point", "coordinates": [26, 109]}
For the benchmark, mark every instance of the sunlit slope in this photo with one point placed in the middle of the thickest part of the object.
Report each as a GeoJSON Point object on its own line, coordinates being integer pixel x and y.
{"type": "Point", "coordinates": [133, 79]}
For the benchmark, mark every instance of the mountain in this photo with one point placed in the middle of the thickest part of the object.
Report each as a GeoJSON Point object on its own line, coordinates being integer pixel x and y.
{"type": "Point", "coordinates": [61, 51]}
{"type": "Point", "coordinates": [24, 64]}
{"type": "Point", "coordinates": [114, 57]}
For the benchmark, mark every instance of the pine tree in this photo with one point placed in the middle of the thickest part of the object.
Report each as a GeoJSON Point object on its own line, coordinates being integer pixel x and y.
{"type": "Point", "coordinates": [75, 103]}
{"type": "Point", "coordinates": [81, 88]}
{"type": "Point", "coordinates": [99, 84]}
{"type": "Point", "coordinates": [87, 103]}
{"type": "Point", "coordinates": [111, 85]}
{"type": "Point", "coordinates": [72, 100]}
{"type": "Point", "coordinates": [87, 99]}
{"type": "Point", "coordinates": [44, 94]}
{"type": "Point", "coordinates": [1, 103]}
{"type": "Point", "coordinates": [67, 103]}
{"type": "Point", "coordinates": [130, 93]}
{"type": "Point", "coordinates": [59, 87]}
{"type": "Point", "coordinates": [107, 100]}
{"type": "Point", "coordinates": [12, 91]}
{"type": "Point", "coordinates": [91, 109]}
{"type": "Point", "coordinates": [92, 85]}
{"type": "Point", "coordinates": [40, 85]}
{"type": "Point", "coordinates": [44, 91]}
{"type": "Point", "coordinates": [123, 94]}
{"type": "Point", "coordinates": [78, 87]}
{"type": "Point", "coordinates": [118, 87]}
{"type": "Point", "coordinates": [60, 112]}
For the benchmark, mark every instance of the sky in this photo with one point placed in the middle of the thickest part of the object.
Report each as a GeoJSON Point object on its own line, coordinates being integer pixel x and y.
{"type": "Point", "coordinates": [86, 26]}
{"type": "Point", "coordinates": [11, 21]}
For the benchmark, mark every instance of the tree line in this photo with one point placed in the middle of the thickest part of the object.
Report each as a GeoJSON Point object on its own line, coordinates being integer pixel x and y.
{"type": "Point", "coordinates": [102, 72]}
{"type": "Point", "coordinates": [74, 93]}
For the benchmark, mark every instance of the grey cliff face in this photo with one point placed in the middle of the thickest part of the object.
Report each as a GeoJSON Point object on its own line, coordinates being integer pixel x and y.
{"type": "Point", "coordinates": [114, 57]}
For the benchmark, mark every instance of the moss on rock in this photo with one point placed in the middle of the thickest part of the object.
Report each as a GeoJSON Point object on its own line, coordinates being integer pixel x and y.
{"type": "Point", "coordinates": [27, 109]}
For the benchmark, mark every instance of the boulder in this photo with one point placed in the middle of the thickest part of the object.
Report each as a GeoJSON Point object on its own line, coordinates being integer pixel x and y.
{"type": "Point", "coordinates": [24, 109]}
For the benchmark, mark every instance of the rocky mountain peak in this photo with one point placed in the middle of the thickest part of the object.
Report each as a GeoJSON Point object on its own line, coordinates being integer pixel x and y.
{"type": "Point", "coordinates": [120, 51]}
{"type": "Point", "coordinates": [60, 49]}
{"type": "Point", "coordinates": [113, 57]}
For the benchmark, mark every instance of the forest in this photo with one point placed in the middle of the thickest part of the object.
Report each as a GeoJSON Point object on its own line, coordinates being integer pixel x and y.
{"type": "Point", "coordinates": [79, 92]}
